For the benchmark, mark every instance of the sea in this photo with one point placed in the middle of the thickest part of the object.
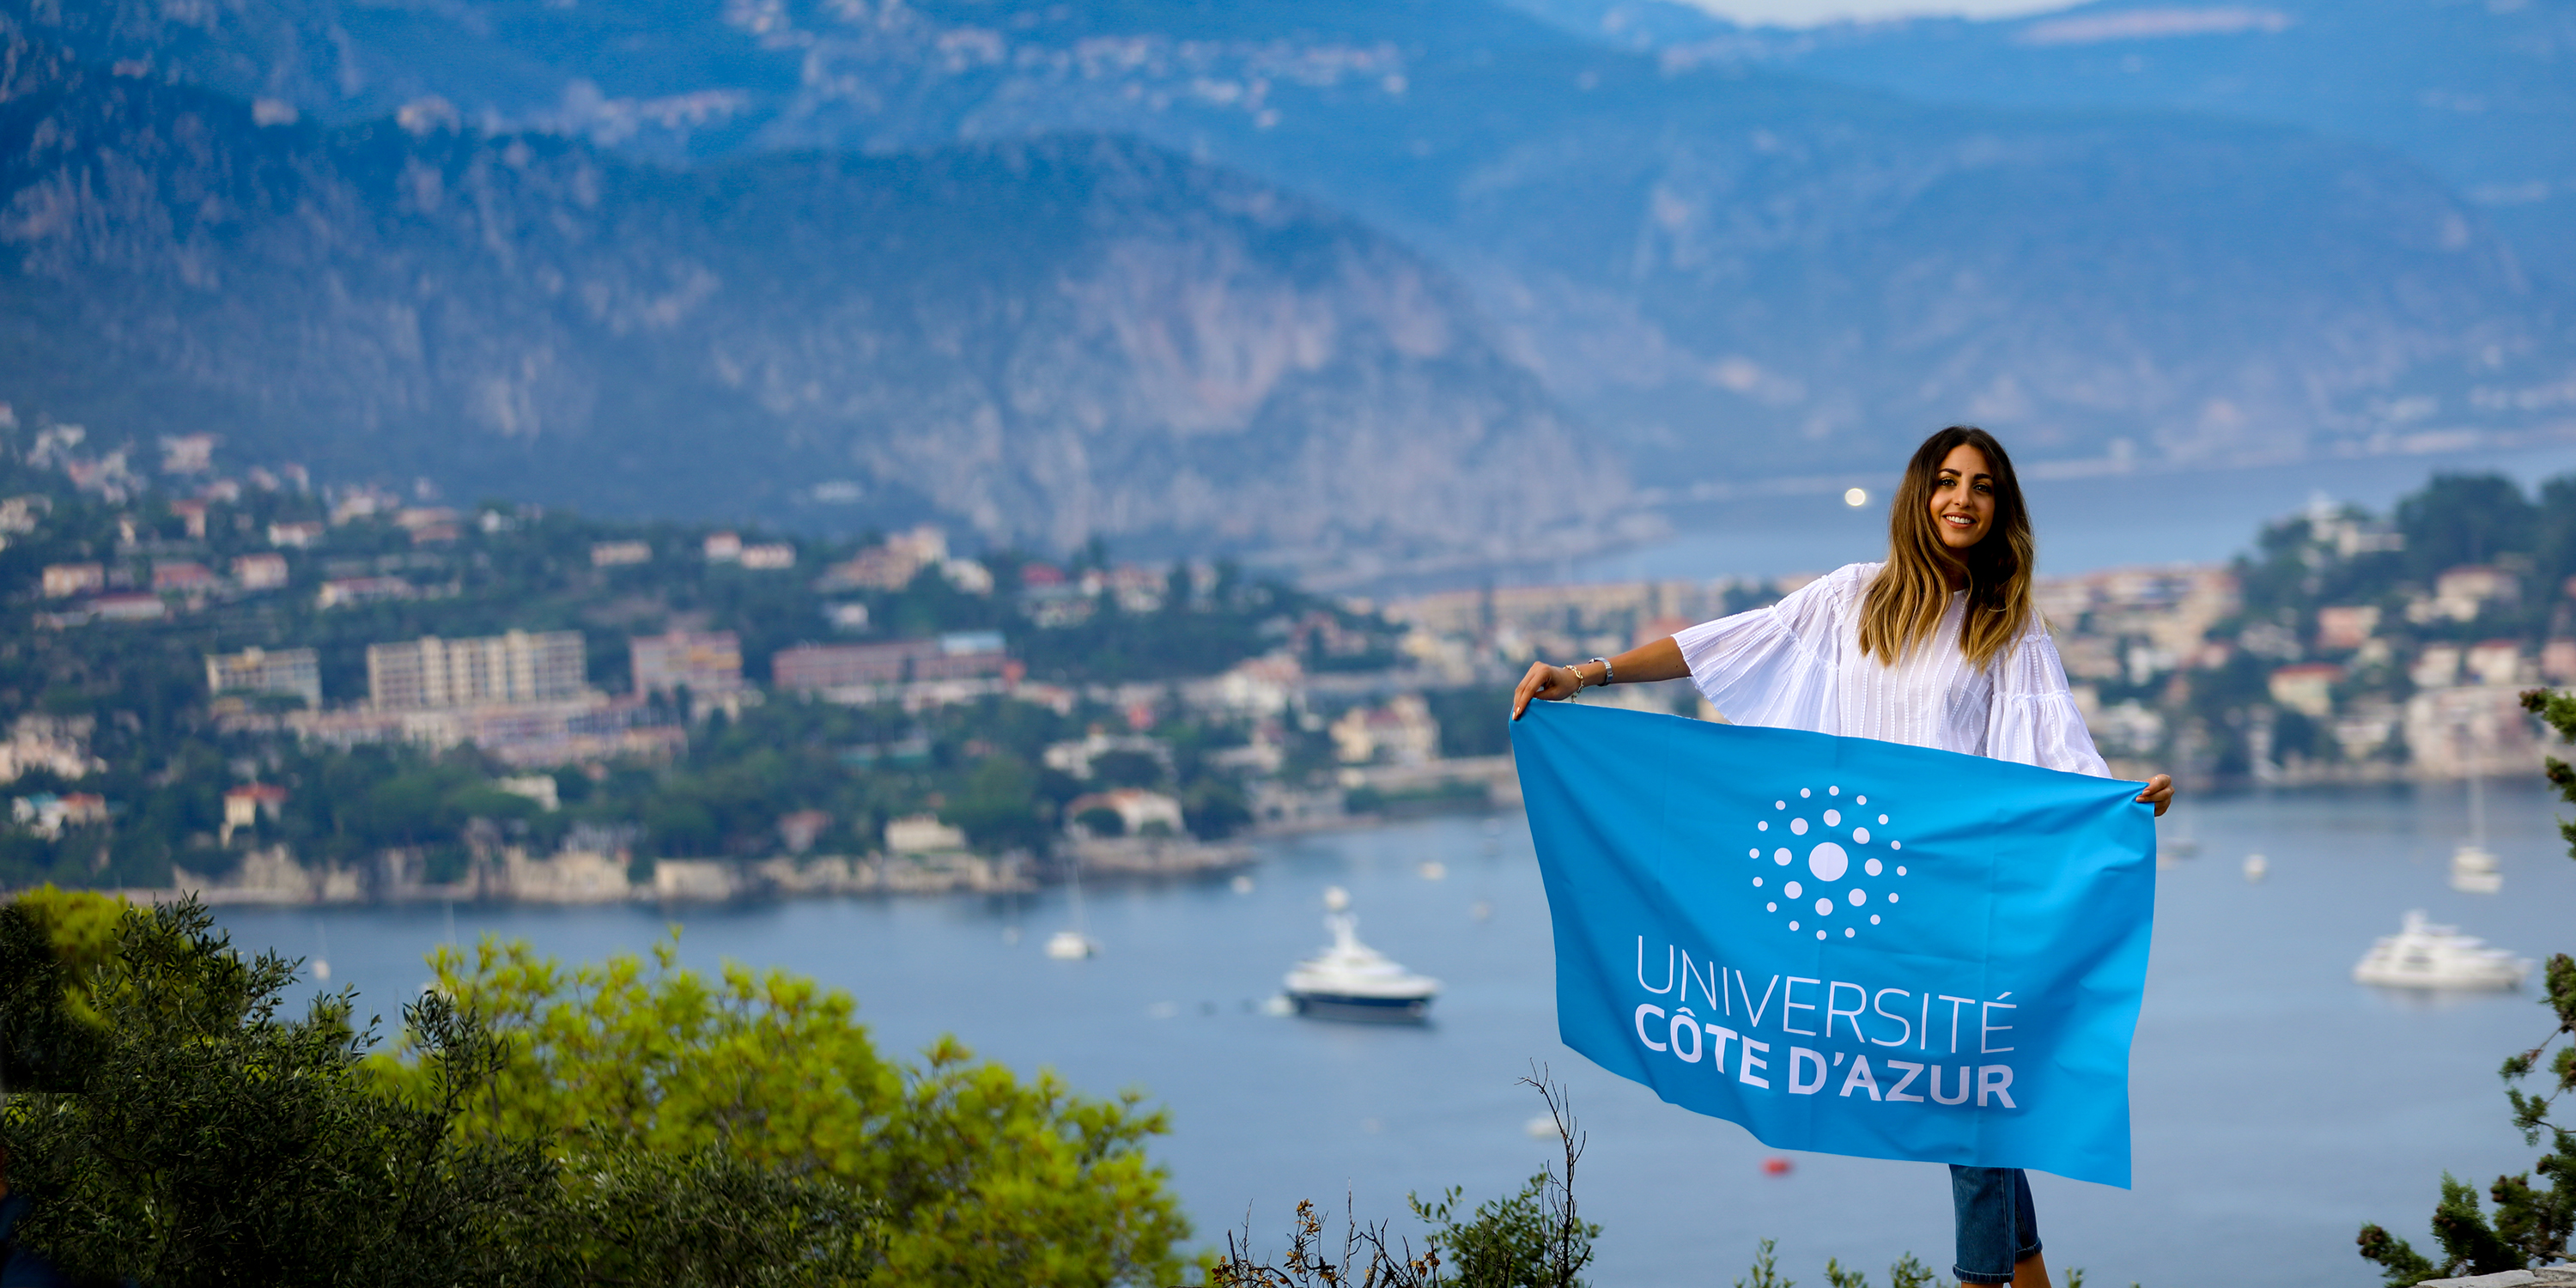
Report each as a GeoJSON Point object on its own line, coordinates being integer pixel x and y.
{"type": "Point", "coordinates": [2277, 1105]}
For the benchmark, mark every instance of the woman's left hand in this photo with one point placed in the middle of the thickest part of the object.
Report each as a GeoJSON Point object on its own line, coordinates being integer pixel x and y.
{"type": "Point", "coordinates": [2159, 793]}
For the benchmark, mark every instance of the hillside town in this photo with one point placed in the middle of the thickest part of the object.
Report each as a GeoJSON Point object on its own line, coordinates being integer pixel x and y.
{"type": "Point", "coordinates": [376, 699]}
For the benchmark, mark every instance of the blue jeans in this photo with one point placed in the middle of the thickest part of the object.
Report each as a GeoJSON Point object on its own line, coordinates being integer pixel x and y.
{"type": "Point", "coordinates": [1996, 1224]}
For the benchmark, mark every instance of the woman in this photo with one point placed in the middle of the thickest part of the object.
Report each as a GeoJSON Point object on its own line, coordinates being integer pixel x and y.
{"type": "Point", "coordinates": [1937, 647]}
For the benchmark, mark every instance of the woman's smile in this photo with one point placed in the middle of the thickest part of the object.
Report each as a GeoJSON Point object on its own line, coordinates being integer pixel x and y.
{"type": "Point", "coordinates": [1963, 498]}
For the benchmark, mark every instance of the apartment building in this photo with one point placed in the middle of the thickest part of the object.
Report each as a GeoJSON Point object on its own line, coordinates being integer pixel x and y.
{"type": "Point", "coordinates": [432, 673]}
{"type": "Point", "coordinates": [704, 662]}
{"type": "Point", "coordinates": [823, 667]}
{"type": "Point", "coordinates": [256, 670]}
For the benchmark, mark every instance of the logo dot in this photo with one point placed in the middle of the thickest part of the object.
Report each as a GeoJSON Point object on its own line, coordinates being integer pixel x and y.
{"type": "Point", "coordinates": [1824, 907]}
{"type": "Point", "coordinates": [1900, 869]}
{"type": "Point", "coordinates": [1848, 932]}
{"type": "Point", "coordinates": [1790, 890]}
{"type": "Point", "coordinates": [1757, 883]}
{"type": "Point", "coordinates": [1828, 861]}
{"type": "Point", "coordinates": [1820, 934]}
{"type": "Point", "coordinates": [1793, 925]}
{"type": "Point", "coordinates": [1798, 826]}
{"type": "Point", "coordinates": [1803, 792]}
{"type": "Point", "coordinates": [1873, 919]}
{"type": "Point", "coordinates": [1882, 820]}
{"type": "Point", "coordinates": [1892, 899]}
{"type": "Point", "coordinates": [1754, 853]}
{"type": "Point", "coordinates": [1863, 800]}
{"type": "Point", "coordinates": [1871, 867]}
{"type": "Point", "coordinates": [1859, 897]}
{"type": "Point", "coordinates": [1860, 835]}
{"type": "Point", "coordinates": [1833, 818]}
{"type": "Point", "coordinates": [1781, 857]}
{"type": "Point", "coordinates": [1833, 791]}
{"type": "Point", "coordinates": [1896, 845]}
{"type": "Point", "coordinates": [1779, 804]}
{"type": "Point", "coordinates": [1770, 907]}
{"type": "Point", "coordinates": [1763, 826]}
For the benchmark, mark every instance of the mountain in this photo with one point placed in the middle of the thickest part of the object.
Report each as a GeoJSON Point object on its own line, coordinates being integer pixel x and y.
{"type": "Point", "coordinates": [1731, 270]}
{"type": "Point", "coordinates": [1046, 338]}
{"type": "Point", "coordinates": [2480, 95]}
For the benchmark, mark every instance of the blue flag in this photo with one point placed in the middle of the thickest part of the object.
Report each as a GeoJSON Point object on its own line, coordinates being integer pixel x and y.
{"type": "Point", "coordinates": [1844, 945]}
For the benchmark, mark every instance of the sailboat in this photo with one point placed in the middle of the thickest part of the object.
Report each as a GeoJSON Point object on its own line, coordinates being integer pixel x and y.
{"type": "Point", "coordinates": [1070, 944]}
{"type": "Point", "coordinates": [2182, 845]}
{"type": "Point", "coordinates": [2473, 869]}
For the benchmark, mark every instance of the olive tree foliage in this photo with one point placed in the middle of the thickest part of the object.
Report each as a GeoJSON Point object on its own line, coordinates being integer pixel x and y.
{"type": "Point", "coordinates": [171, 1125]}
{"type": "Point", "coordinates": [983, 1177]}
{"type": "Point", "coordinates": [2531, 1223]}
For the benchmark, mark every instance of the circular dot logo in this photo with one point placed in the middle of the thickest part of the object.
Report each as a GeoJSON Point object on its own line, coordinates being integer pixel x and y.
{"type": "Point", "coordinates": [1841, 857]}
{"type": "Point", "coordinates": [1828, 861]}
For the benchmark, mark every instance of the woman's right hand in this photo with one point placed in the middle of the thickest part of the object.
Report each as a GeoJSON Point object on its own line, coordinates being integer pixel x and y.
{"type": "Point", "coordinates": [1545, 683]}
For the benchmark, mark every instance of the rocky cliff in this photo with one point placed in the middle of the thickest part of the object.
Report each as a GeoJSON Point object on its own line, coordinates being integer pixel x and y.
{"type": "Point", "coordinates": [1048, 338]}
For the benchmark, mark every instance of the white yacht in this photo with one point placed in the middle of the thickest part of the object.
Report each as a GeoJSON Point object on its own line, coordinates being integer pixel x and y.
{"type": "Point", "coordinates": [2428, 956]}
{"type": "Point", "coordinates": [1353, 981]}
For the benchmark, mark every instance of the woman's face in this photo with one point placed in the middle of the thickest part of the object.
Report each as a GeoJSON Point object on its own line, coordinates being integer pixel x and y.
{"type": "Point", "coordinates": [1963, 499]}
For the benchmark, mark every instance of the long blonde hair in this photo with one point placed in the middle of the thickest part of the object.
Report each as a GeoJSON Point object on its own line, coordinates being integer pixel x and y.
{"type": "Point", "coordinates": [1907, 599]}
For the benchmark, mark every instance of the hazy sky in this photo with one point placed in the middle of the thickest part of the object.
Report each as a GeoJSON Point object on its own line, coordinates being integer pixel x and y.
{"type": "Point", "coordinates": [1801, 13]}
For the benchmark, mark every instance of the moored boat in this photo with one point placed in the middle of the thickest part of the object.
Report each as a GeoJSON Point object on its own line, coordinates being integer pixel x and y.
{"type": "Point", "coordinates": [2423, 955]}
{"type": "Point", "coordinates": [2474, 871]}
{"type": "Point", "coordinates": [1350, 980]}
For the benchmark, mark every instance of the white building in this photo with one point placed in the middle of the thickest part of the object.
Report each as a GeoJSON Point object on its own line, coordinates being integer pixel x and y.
{"type": "Point", "coordinates": [256, 670]}
{"type": "Point", "coordinates": [922, 834]}
{"type": "Point", "coordinates": [432, 673]}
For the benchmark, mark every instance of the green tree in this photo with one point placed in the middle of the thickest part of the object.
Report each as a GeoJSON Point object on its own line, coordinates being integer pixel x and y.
{"type": "Point", "coordinates": [985, 1178]}
{"type": "Point", "coordinates": [2530, 1224]}
{"type": "Point", "coordinates": [999, 806]}
{"type": "Point", "coordinates": [2465, 519]}
{"type": "Point", "coordinates": [137, 1157]}
{"type": "Point", "coordinates": [189, 1133]}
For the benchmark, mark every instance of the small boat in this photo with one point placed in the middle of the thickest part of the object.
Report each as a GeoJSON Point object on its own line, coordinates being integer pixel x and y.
{"type": "Point", "coordinates": [1070, 944]}
{"type": "Point", "coordinates": [2423, 955]}
{"type": "Point", "coordinates": [2473, 868]}
{"type": "Point", "coordinates": [2474, 871]}
{"type": "Point", "coordinates": [2182, 845]}
{"type": "Point", "coordinates": [1352, 981]}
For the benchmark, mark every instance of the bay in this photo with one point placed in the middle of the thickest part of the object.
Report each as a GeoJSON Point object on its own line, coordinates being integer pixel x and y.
{"type": "Point", "coordinates": [2277, 1104]}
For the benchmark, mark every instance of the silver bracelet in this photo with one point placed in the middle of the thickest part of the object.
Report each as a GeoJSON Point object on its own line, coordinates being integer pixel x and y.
{"type": "Point", "coordinates": [1605, 671]}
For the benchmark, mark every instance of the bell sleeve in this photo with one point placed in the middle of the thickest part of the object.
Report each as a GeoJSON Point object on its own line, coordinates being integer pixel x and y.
{"type": "Point", "coordinates": [1775, 666]}
{"type": "Point", "coordinates": [2032, 718]}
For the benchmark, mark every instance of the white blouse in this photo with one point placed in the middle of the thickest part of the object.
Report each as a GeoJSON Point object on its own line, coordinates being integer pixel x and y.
{"type": "Point", "coordinates": [1798, 665]}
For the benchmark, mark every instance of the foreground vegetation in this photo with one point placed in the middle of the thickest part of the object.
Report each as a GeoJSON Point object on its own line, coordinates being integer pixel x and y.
{"type": "Point", "coordinates": [627, 1123]}
{"type": "Point", "coordinates": [168, 1124]}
